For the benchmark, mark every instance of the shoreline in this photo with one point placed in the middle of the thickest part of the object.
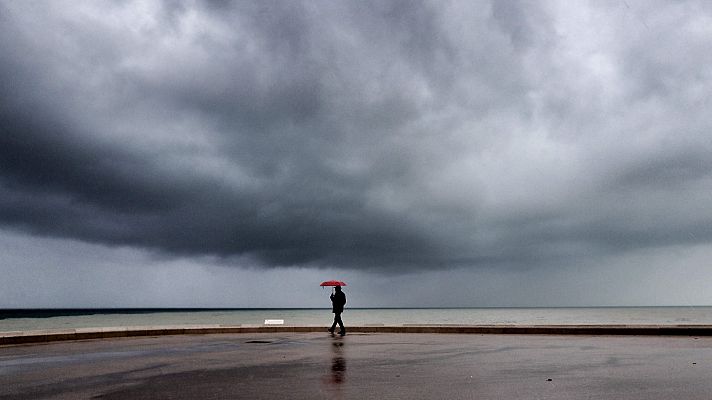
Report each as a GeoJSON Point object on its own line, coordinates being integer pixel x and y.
{"type": "Point", "coordinates": [58, 335]}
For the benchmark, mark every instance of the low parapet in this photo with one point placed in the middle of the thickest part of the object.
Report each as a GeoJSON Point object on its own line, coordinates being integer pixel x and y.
{"type": "Point", "coordinates": [43, 336]}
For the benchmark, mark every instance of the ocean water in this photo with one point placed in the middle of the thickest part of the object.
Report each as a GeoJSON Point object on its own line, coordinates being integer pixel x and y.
{"type": "Point", "coordinates": [13, 320]}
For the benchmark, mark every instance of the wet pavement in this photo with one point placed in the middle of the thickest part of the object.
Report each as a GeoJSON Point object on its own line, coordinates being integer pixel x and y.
{"type": "Point", "coordinates": [361, 366]}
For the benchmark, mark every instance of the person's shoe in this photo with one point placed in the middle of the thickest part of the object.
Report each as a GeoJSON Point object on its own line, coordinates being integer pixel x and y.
{"type": "Point", "coordinates": [330, 331]}
{"type": "Point", "coordinates": [342, 333]}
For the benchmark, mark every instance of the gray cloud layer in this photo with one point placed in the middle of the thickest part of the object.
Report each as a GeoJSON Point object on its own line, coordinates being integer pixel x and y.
{"type": "Point", "coordinates": [378, 135]}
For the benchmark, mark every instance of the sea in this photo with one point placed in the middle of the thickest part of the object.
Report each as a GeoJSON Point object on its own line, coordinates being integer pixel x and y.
{"type": "Point", "coordinates": [41, 319]}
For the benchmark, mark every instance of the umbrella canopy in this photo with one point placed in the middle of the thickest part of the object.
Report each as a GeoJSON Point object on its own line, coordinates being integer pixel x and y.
{"type": "Point", "coordinates": [333, 283]}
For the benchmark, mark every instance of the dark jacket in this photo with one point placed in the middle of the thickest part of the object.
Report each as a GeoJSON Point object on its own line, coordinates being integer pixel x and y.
{"type": "Point", "coordinates": [338, 301]}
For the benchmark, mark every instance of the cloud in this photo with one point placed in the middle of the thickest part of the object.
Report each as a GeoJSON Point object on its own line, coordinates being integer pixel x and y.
{"type": "Point", "coordinates": [387, 136]}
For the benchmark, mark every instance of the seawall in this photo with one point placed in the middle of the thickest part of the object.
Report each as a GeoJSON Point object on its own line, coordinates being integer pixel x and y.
{"type": "Point", "coordinates": [44, 336]}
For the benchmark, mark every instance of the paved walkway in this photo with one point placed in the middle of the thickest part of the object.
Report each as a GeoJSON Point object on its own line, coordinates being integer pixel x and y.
{"type": "Point", "coordinates": [361, 366]}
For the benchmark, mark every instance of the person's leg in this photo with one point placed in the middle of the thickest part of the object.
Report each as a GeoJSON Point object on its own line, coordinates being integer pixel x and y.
{"type": "Point", "coordinates": [333, 326]}
{"type": "Point", "coordinates": [342, 330]}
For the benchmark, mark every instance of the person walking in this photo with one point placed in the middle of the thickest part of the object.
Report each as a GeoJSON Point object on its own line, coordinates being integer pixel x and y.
{"type": "Point", "coordinates": [338, 301]}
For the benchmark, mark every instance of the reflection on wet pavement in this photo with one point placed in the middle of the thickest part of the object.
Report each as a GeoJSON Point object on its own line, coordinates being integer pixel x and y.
{"type": "Point", "coordinates": [338, 363]}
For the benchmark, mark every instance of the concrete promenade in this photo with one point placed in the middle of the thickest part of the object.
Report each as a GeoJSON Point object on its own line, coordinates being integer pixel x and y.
{"type": "Point", "coordinates": [283, 363]}
{"type": "Point", "coordinates": [53, 335]}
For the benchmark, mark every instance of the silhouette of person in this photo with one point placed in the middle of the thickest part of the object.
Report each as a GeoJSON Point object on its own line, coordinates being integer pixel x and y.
{"type": "Point", "coordinates": [338, 301]}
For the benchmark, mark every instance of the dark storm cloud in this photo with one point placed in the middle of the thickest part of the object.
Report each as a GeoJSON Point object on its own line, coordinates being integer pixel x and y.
{"type": "Point", "coordinates": [380, 135]}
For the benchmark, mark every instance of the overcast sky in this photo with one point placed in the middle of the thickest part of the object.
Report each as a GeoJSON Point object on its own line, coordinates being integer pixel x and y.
{"type": "Point", "coordinates": [445, 153]}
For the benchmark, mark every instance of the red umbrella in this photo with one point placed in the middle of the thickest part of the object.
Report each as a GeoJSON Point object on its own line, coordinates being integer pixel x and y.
{"type": "Point", "coordinates": [333, 283]}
